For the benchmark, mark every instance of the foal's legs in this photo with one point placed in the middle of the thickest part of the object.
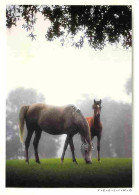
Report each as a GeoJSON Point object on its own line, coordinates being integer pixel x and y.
{"type": "Point", "coordinates": [72, 150]}
{"type": "Point", "coordinates": [35, 144]}
{"type": "Point", "coordinates": [92, 138]}
{"type": "Point", "coordinates": [27, 142]}
{"type": "Point", "coordinates": [64, 149]}
{"type": "Point", "coordinates": [98, 148]}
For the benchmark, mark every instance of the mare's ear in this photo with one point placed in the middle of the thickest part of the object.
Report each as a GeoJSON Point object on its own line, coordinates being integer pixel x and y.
{"type": "Point", "coordinates": [94, 101]}
{"type": "Point", "coordinates": [100, 101]}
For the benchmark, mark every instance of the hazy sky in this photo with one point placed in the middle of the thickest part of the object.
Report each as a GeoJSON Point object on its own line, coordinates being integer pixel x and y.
{"type": "Point", "coordinates": [63, 74]}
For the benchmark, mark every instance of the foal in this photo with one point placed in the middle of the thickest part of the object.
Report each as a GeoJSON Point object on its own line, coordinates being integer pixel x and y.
{"type": "Point", "coordinates": [96, 125]}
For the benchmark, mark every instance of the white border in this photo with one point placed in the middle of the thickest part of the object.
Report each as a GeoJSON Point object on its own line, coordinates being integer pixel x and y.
{"type": "Point", "coordinates": [26, 191]}
{"type": "Point", "coordinates": [136, 98]}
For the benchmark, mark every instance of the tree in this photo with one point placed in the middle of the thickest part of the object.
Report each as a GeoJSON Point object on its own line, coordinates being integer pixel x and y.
{"type": "Point", "coordinates": [96, 25]}
{"type": "Point", "coordinates": [48, 145]}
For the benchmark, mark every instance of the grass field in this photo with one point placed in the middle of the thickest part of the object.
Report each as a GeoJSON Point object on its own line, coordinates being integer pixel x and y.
{"type": "Point", "coordinates": [111, 172]}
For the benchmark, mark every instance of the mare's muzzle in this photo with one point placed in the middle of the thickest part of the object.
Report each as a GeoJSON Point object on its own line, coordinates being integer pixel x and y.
{"type": "Point", "coordinates": [88, 162]}
{"type": "Point", "coordinates": [86, 152]}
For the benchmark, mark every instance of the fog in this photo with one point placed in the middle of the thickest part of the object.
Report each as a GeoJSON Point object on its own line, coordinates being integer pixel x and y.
{"type": "Point", "coordinates": [116, 118]}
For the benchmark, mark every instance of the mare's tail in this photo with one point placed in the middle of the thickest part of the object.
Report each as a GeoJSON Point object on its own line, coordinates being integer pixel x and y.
{"type": "Point", "coordinates": [22, 114]}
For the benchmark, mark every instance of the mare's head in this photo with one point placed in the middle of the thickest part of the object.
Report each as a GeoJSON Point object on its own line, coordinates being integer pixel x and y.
{"type": "Point", "coordinates": [83, 128]}
{"type": "Point", "coordinates": [97, 108]}
{"type": "Point", "coordinates": [86, 150]}
{"type": "Point", "coordinates": [86, 147]}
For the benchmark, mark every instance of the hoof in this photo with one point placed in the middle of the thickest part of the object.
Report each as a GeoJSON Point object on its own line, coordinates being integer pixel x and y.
{"type": "Point", "coordinates": [62, 161]}
{"type": "Point", "coordinates": [75, 162]}
{"type": "Point", "coordinates": [27, 161]}
{"type": "Point", "coordinates": [37, 161]}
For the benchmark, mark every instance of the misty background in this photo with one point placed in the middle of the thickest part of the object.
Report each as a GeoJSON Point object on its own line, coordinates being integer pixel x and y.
{"type": "Point", "coordinates": [116, 118]}
{"type": "Point", "coordinates": [46, 72]}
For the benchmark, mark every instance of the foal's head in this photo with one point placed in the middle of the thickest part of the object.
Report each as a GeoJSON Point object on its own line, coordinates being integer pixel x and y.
{"type": "Point", "coordinates": [97, 108]}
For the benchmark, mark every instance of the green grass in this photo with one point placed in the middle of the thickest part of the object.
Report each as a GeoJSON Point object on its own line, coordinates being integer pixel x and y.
{"type": "Point", "coordinates": [111, 172]}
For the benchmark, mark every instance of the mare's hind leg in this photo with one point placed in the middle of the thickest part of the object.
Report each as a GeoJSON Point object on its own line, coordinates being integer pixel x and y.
{"type": "Point", "coordinates": [27, 142]}
{"type": "Point", "coordinates": [72, 150]}
{"type": "Point", "coordinates": [36, 142]}
{"type": "Point", "coordinates": [64, 149]}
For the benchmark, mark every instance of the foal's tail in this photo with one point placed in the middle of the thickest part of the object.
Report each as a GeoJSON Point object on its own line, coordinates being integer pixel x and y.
{"type": "Point", "coordinates": [22, 114]}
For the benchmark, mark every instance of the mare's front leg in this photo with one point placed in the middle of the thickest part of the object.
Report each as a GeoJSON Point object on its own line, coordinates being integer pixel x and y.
{"type": "Point", "coordinates": [72, 150]}
{"type": "Point", "coordinates": [98, 148]}
{"type": "Point", "coordinates": [64, 149]}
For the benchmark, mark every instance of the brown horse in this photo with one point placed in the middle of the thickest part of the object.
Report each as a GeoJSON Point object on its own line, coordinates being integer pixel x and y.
{"type": "Point", "coordinates": [96, 125]}
{"type": "Point", "coordinates": [56, 121]}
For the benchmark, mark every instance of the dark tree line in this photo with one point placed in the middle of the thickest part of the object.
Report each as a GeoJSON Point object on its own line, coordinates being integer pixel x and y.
{"type": "Point", "coordinates": [97, 25]}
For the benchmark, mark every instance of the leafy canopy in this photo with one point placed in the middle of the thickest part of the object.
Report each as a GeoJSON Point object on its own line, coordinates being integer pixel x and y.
{"type": "Point", "coordinates": [96, 25]}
